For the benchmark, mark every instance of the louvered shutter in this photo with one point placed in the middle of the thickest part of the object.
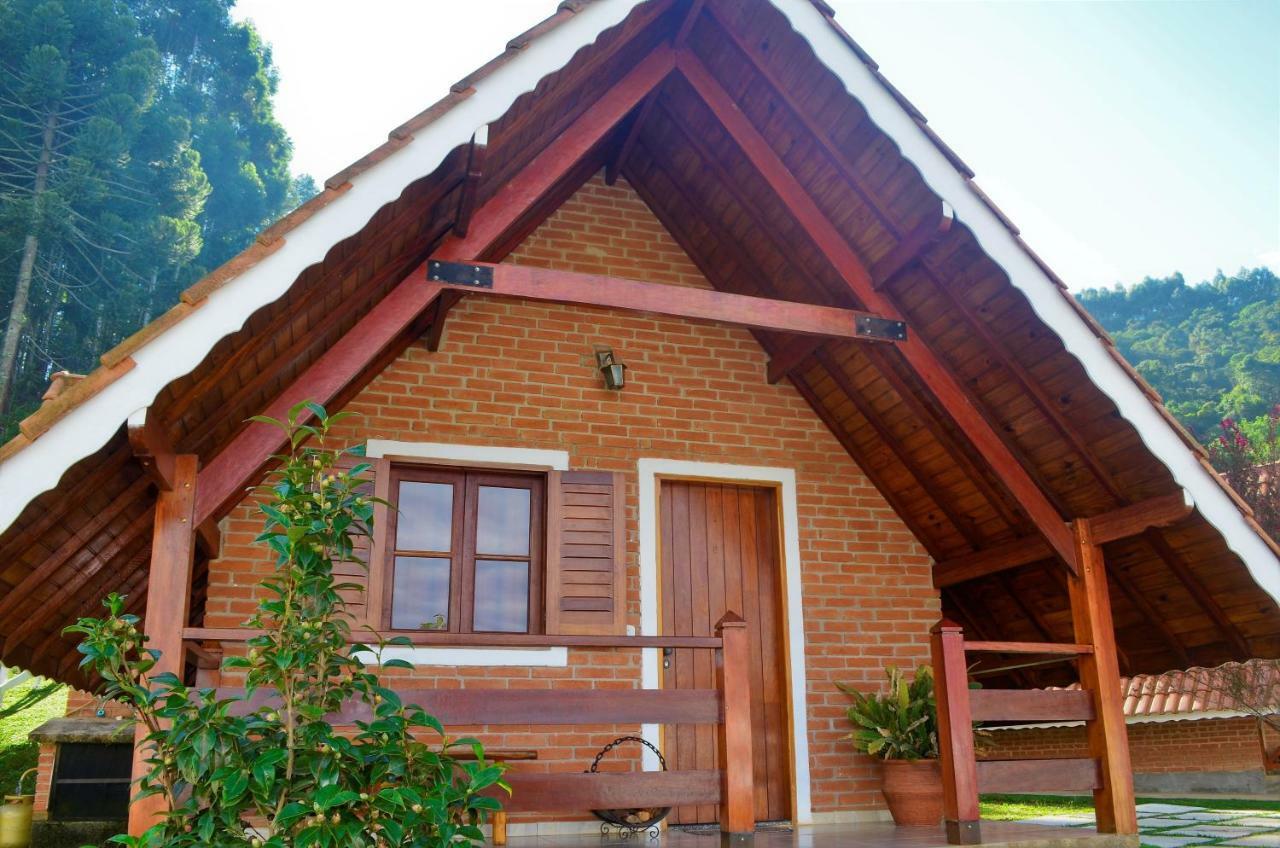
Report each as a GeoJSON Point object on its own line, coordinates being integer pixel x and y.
{"type": "Point", "coordinates": [357, 573]}
{"type": "Point", "coordinates": [586, 553]}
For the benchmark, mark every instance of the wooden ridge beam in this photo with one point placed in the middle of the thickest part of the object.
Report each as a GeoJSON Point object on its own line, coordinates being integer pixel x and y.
{"type": "Point", "coordinates": [546, 170]}
{"type": "Point", "coordinates": [1137, 518]}
{"type": "Point", "coordinates": [952, 396]}
{"type": "Point", "coordinates": [992, 560]}
{"type": "Point", "coordinates": [681, 301]}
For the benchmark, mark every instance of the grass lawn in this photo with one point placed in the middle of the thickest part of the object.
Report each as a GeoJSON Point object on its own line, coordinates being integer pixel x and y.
{"type": "Point", "coordinates": [1014, 807]}
{"type": "Point", "coordinates": [16, 753]}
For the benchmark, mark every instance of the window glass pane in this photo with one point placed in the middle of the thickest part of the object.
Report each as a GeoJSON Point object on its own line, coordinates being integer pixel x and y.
{"type": "Point", "coordinates": [502, 524]}
{"type": "Point", "coordinates": [502, 596]}
{"type": "Point", "coordinates": [420, 594]}
{"type": "Point", "coordinates": [425, 522]}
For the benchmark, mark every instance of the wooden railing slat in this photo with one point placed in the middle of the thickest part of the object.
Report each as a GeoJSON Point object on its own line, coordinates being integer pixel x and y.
{"type": "Point", "coordinates": [455, 707]}
{"type": "Point", "coordinates": [1027, 647]}
{"type": "Point", "coordinates": [1062, 774]}
{"type": "Point", "coordinates": [1031, 705]}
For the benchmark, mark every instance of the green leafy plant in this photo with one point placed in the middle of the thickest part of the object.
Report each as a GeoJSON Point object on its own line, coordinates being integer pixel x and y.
{"type": "Point", "coordinates": [899, 724]}
{"type": "Point", "coordinates": [283, 775]}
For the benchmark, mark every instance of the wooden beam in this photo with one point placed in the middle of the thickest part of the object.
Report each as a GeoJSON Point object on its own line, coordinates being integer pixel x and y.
{"type": "Point", "coordinates": [471, 182]}
{"type": "Point", "coordinates": [1137, 518]}
{"type": "Point", "coordinates": [508, 208]}
{"type": "Point", "coordinates": [957, 758]}
{"type": "Point", "coordinates": [686, 24]}
{"type": "Point", "coordinates": [680, 301]}
{"type": "Point", "coordinates": [903, 254]}
{"type": "Point", "coordinates": [952, 397]}
{"type": "Point", "coordinates": [240, 463]}
{"type": "Point", "coordinates": [1113, 799]}
{"type": "Point", "coordinates": [992, 560]}
{"type": "Point", "coordinates": [733, 679]}
{"type": "Point", "coordinates": [910, 246]}
{"type": "Point", "coordinates": [152, 447]}
{"type": "Point", "coordinates": [1201, 595]}
{"type": "Point", "coordinates": [168, 605]}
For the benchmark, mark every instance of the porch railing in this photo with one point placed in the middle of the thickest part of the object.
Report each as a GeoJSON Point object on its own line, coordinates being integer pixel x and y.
{"type": "Point", "coordinates": [963, 775]}
{"type": "Point", "coordinates": [728, 706]}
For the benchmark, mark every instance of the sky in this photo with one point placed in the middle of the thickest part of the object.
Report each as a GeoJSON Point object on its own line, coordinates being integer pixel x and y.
{"type": "Point", "coordinates": [1125, 138]}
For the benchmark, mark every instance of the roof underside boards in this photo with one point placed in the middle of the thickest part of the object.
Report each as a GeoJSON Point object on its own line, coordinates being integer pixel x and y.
{"type": "Point", "coordinates": [1181, 595]}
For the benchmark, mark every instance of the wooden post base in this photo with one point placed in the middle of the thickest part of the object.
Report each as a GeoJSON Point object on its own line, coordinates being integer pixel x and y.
{"type": "Point", "coordinates": [736, 840]}
{"type": "Point", "coordinates": [963, 832]}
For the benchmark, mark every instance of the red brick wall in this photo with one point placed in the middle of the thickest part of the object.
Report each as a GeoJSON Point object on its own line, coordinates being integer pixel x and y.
{"type": "Point", "coordinates": [523, 374]}
{"type": "Point", "coordinates": [1224, 744]}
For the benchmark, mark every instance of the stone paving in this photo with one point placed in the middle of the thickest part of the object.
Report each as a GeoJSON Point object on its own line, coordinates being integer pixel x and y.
{"type": "Point", "coordinates": [1181, 825]}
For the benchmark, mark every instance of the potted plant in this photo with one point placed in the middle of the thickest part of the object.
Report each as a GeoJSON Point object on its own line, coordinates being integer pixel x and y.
{"type": "Point", "coordinates": [900, 727]}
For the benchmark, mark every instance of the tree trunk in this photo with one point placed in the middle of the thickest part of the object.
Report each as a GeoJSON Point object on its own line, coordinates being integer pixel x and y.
{"type": "Point", "coordinates": [21, 291]}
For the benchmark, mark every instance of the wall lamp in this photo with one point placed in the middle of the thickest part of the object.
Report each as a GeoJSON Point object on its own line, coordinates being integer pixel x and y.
{"type": "Point", "coordinates": [611, 368]}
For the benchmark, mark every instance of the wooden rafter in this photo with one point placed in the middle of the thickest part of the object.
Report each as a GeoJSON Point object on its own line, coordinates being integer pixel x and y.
{"type": "Point", "coordinates": [680, 301]}
{"type": "Point", "coordinates": [22, 594]}
{"type": "Point", "coordinates": [859, 456]}
{"type": "Point", "coordinates": [937, 378]}
{"type": "Point", "coordinates": [616, 162]}
{"type": "Point", "coordinates": [841, 378]}
{"type": "Point", "coordinates": [996, 345]}
{"type": "Point", "coordinates": [237, 466]}
{"type": "Point", "coordinates": [1201, 595]}
{"type": "Point", "coordinates": [240, 463]}
{"type": "Point", "coordinates": [548, 169]}
{"type": "Point", "coordinates": [906, 251]}
{"type": "Point", "coordinates": [992, 560]}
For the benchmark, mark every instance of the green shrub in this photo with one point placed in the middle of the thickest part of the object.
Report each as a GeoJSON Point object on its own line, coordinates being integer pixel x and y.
{"type": "Point", "coordinates": [282, 776]}
{"type": "Point", "coordinates": [902, 723]}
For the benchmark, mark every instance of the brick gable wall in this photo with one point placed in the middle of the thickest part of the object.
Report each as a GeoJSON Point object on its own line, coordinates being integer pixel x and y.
{"type": "Point", "coordinates": [520, 374]}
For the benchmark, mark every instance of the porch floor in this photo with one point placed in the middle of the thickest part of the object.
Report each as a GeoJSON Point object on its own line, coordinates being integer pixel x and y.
{"type": "Point", "coordinates": [869, 834]}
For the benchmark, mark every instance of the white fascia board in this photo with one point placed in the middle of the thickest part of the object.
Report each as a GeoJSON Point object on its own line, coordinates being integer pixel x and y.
{"type": "Point", "coordinates": [176, 352]}
{"type": "Point", "coordinates": [1046, 298]}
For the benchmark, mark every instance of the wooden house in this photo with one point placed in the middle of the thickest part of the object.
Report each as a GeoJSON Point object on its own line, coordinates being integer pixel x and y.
{"type": "Point", "coordinates": [854, 403]}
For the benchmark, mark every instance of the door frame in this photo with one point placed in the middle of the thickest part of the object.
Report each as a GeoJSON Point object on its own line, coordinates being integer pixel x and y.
{"type": "Point", "coordinates": [783, 480]}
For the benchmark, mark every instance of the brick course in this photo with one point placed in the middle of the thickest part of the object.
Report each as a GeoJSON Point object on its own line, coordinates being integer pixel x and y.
{"type": "Point", "coordinates": [1221, 744]}
{"type": "Point", "coordinates": [523, 374]}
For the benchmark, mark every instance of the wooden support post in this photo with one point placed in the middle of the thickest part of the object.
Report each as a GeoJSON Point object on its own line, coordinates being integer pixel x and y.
{"type": "Point", "coordinates": [1113, 800]}
{"type": "Point", "coordinates": [737, 782]}
{"type": "Point", "coordinates": [500, 828]}
{"type": "Point", "coordinates": [955, 735]}
{"type": "Point", "coordinates": [173, 544]}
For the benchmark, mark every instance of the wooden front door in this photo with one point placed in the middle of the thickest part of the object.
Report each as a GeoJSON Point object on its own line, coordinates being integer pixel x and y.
{"type": "Point", "coordinates": [720, 553]}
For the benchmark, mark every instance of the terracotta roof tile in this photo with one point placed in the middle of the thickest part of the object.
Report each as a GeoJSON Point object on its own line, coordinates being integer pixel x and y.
{"type": "Point", "coordinates": [38, 422]}
{"type": "Point", "coordinates": [1231, 686]}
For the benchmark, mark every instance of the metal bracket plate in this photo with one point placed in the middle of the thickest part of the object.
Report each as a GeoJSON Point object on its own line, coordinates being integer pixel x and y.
{"type": "Point", "coordinates": [880, 329]}
{"type": "Point", "coordinates": [460, 274]}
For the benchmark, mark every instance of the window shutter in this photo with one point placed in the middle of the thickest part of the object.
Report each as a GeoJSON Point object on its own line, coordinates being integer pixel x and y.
{"type": "Point", "coordinates": [356, 573]}
{"type": "Point", "coordinates": [586, 576]}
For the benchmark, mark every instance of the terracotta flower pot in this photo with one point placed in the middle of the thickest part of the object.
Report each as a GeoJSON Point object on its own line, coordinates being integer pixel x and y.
{"type": "Point", "coordinates": [913, 790]}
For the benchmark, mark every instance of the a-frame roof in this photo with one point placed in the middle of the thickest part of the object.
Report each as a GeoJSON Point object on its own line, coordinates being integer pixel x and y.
{"type": "Point", "coordinates": [786, 166]}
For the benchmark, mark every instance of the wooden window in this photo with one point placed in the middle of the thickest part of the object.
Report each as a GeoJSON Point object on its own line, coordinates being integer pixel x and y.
{"type": "Point", "coordinates": [464, 551]}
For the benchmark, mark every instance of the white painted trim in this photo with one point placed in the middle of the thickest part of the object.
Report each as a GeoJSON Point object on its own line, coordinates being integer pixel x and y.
{"type": "Point", "coordinates": [178, 350]}
{"type": "Point", "coordinates": [484, 455]}
{"type": "Point", "coordinates": [447, 656]}
{"type": "Point", "coordinates": [1046, 299]}
{"type": "Point", "coordinates": [650, 470]}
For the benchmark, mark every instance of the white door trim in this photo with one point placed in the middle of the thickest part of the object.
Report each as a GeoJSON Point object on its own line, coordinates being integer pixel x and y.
{"type": "Point", "coordinates": [650, 471]}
